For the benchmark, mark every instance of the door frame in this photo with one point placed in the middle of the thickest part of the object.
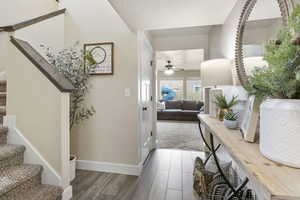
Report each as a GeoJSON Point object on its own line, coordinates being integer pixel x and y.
{"type": "Point", "coordinates": [141, 41]}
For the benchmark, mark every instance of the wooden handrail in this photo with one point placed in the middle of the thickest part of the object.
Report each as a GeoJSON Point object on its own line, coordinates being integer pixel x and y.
{"type": "Point", "coordinates": [61, 83]}
{"type": "Point", "coordinates": [12, 28]}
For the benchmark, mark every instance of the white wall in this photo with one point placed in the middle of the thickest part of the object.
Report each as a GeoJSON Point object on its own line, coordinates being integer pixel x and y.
{"type": "Point", "coordinates": [181, 42]}
{"type": "Point", "coordinates": [110, 135]}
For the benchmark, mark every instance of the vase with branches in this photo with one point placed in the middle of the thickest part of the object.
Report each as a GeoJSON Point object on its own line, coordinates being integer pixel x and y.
{"type": "Point", "coordinates": [70, 62]}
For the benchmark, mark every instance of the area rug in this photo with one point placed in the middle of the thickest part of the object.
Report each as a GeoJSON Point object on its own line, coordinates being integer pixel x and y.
{"type": "Point", "coordinates": [179, 135]}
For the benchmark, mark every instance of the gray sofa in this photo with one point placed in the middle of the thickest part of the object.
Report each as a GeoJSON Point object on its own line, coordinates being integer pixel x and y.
{"type": "Point", "coordinates": [180, 110]}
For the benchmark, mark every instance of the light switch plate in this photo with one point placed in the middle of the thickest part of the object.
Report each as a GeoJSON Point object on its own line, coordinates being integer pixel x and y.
{"type": "Point", "coordinates": [127, 92]}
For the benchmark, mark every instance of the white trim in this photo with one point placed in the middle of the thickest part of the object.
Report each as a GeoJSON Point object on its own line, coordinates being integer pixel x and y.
{"type": "Point", "coordinates": [65, 139]}
{"type": "Point", "coordinates": [31, 155]}
{"type": "Point", "coordinates": [134, 170]}
{"type": "Point", "coordinates": [67, 193]}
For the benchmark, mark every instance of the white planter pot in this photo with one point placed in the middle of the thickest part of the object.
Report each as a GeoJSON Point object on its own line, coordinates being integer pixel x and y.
{"type": "Point", "coordinates": [73, 160]}
{"type": "Point", "coordinates": [280, 131]}
{"type": "Point", "coordinates": [231, 124]}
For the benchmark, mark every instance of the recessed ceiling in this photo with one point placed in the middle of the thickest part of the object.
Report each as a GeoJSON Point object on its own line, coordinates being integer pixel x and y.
{"type": "Point", "coordinates": [163, 14]}
{"type": "Point", "coordinates": [182, 59]}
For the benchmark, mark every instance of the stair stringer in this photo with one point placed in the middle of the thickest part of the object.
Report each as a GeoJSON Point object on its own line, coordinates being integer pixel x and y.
{"type": "Point", "coordinates": [31, 155]}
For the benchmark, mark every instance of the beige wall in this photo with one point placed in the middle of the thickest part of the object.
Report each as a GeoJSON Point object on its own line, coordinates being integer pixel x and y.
{"type": "Point", "coordinates": [36, 102]}
{"type": "Point", "coordinates": [111, 135]}
{"type": "Point", "coordinates": [14, 11]}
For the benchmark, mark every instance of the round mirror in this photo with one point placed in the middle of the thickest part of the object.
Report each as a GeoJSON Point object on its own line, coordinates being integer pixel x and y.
{"type": "Point", "coordinates": [259, 22]}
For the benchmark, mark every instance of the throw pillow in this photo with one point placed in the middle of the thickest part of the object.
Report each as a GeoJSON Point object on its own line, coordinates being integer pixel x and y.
{"type": "Point", "coordinates": [202, 178]}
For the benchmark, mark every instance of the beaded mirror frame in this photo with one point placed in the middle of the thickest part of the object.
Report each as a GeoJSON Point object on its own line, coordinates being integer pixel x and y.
{"type": "Point", "coordinates": [286, 7]}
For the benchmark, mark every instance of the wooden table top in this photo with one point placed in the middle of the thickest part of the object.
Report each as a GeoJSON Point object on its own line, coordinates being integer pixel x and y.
{"type": "Point", "coordinates": [277, 181]}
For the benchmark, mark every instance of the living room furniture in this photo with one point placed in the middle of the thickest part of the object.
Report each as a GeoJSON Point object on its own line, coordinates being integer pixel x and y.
{"type": "Point", "coordinates": [269, 180]}
{"type": "Point", "coordinates": [180, 110]}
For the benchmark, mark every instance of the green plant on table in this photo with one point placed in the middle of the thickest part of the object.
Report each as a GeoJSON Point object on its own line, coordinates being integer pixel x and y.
{"type": "Point", "coordinates": [224, 105]}
{"type": "Point", "coordinates": [281, 78]}
{"type": "Point", "coordinates": [231, 116]}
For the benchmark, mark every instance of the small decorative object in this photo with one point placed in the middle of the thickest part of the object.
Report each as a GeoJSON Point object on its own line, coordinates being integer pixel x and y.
{"type": "Point", "coordinates": [223, 105]}
{"type": "Point", "coordinates": [279, 86]}
{"type": "Point", "coordinates": [101, 56]}
{"type": "Point", "coordinates": [250, 120]}
{"type": "Point", "coordinates": [206, 99]}
{"type": "Point", "coordinates": [231, 120]}
{"type": "Point", "coordinates": [213, 108]}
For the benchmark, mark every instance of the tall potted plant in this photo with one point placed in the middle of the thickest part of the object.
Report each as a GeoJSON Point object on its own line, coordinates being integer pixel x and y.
{"type": "Point", "coordinates": [70, 62]}
{"type": "Point", "coordinates": [278, 85]}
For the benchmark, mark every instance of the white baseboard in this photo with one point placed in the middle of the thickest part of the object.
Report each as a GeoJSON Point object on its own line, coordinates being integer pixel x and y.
{"type": "Point", "coordinates": [31, 155]}
{"type": "Point", "coordinates": [134, 170]}
{"type": "Point", "coordinates": [68, 193]}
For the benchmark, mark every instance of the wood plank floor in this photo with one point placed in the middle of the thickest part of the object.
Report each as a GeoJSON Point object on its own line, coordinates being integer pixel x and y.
{"type": "Point", "coordinates": [90, 185]}
{"type": "Point", "coordinates": [168, 175]}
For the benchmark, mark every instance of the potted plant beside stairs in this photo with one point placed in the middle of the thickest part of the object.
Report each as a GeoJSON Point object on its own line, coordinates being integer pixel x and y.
{"type": "Point", "coordinates": [278, 85]}
{"type": "Point", "coordinates": [70, 63]}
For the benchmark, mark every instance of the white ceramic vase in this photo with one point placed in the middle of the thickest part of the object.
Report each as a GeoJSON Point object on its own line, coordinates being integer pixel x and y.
{"type": "Point", "coordinates": [280, 131]}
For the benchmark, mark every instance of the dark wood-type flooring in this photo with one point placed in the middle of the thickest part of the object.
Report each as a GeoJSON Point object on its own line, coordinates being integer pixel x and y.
{"type": "Point", "coordinates": [168, 175]}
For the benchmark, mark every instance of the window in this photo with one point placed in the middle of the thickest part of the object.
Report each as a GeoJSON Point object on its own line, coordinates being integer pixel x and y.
{"type": "Point", "coordinates": [193, 89]}
{"type": "Point", "coordinates": [171, 90]}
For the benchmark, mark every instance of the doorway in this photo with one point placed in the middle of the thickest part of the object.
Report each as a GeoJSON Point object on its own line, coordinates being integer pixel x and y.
{"type": "Point", "coordinates": [179, 99]}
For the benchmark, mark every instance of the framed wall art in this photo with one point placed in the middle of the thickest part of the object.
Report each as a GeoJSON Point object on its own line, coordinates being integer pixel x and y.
{"type": "Point", "coordinates": [213, 108]}
{"type": "Point", "coordinates": [103, 54]}
{"type": "Point", "coordinates": [249, 125]}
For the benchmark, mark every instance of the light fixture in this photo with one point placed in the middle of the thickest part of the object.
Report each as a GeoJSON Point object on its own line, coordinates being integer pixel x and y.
{"type": "Point", "coordinates": [169, 72]}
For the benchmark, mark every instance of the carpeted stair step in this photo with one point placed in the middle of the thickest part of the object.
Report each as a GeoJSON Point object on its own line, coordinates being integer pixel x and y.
{"type": "Point", "coordinates": [11, 155]}
{"type": "Point", "coordinates": [17, 180]}
{"type": "Point", "coordinates": [42, 192]}
{"type": "Point", "coordinates": [2, 114]}
{"type": "Point", "coordinates": [3, 134]}
{"type": "Point", "coordinates": [2, 99]}
{"type": "Point", "coordinates": [3, 86]}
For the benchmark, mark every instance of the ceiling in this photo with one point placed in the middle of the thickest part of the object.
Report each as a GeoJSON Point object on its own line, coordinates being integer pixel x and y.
{"type": "Point", "coordinates": [164, 14]}
{"type": "Point", "coordinates": [187, 31]}
{"type": "Point", "coordinates": [184, 59]}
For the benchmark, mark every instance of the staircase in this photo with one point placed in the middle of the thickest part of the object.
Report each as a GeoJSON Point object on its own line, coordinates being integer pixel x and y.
{"type": "Point", "coordinates": [19, 181]}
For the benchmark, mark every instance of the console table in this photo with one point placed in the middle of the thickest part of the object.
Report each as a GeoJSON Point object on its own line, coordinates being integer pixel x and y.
{"type": "Point", "coordinates": [271, 180]}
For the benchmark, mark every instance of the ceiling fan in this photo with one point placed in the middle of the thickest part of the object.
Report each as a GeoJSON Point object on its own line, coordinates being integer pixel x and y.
{"type": "Point", "coordinates": [170, 69]}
